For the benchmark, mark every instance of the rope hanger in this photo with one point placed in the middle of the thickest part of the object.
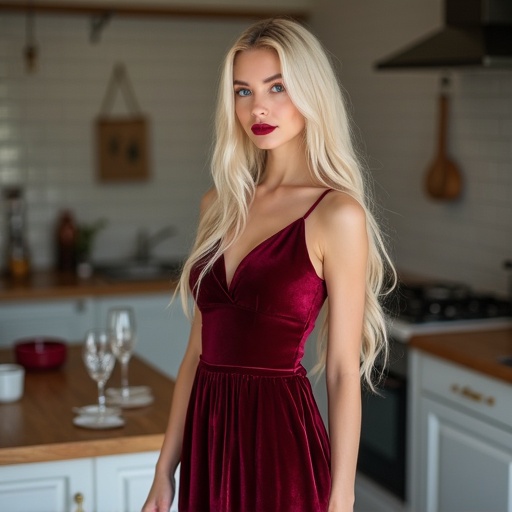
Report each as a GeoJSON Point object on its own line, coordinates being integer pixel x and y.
{"type": "Point", "coordinates": [120, 80]}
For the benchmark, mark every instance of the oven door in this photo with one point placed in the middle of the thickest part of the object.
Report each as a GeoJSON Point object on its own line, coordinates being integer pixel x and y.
{"type": "Point", "coordinates": [383, 432]}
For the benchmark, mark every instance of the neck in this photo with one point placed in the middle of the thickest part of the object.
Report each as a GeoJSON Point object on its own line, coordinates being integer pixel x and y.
{"type": "Point", "coordinates": [286, 167]}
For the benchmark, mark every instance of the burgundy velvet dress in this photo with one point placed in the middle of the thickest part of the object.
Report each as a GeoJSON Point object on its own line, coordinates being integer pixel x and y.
{"type": "Point", "coordinates": [254, 438]}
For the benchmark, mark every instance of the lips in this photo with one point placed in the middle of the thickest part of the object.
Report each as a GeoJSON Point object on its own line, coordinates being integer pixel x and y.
{"type": "Point", "coordinates": [262, 129]}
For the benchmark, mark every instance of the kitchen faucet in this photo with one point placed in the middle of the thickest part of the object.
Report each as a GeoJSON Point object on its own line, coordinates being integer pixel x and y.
{"type": "Point", "coordinates": [146, 242]}
{"type": "Point", "coordinates": [507, 265]}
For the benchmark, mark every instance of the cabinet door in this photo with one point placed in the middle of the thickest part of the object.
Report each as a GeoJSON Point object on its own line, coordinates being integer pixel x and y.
{"type": "Point", "coordinates": [468, 462]}
{"type": "Point", "coordinates": [123, 481]}
{"type": "Point", "coordinates": [162, 329]}
{"type": "Point", "coordinates": [46, 486]}
{"type": "Point", "coordinates": [68, 319]}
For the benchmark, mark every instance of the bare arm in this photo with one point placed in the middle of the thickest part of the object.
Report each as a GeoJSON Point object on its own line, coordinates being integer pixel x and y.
{"type": "Point", "coordinates": [162, 491]}
{"type": "Point", "coordinates": [171, 448]}
{"type": "Point", "coordinates": [163, 488]}
{"type": "Point", "coordinates": [345, 249]}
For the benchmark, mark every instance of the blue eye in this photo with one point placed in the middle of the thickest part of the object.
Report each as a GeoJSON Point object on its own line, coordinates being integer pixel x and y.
{"type": "Point", "coordinates": [278, 88]}
{"type": "Point", "coordinates": [243, 92]}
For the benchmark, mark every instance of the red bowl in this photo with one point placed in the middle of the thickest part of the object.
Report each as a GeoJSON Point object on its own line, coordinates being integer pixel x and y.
{"type": "Point", "coordinates": [40, 353]}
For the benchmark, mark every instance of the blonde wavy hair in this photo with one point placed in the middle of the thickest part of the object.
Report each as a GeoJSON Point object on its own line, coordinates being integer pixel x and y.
{"type": "Point", "coordinates": [237, 167]}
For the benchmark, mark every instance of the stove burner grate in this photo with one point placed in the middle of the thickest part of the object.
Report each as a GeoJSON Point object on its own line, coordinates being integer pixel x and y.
{"type": "Point", "coordinates": [444, 302]}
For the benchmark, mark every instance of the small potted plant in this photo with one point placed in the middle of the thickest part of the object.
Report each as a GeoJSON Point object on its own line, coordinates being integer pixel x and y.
{"type": "Point", "coordinates": [84, 246]}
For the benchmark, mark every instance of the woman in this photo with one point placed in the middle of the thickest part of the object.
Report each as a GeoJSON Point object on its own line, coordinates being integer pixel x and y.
{"type": "Point", "coordinates": [285, 225]}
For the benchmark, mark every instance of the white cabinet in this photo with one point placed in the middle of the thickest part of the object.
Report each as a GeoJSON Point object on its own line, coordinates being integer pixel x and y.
{"type": "Point", "coordinates": [117, 483]}
{"type": "Point", "coordinates": [123, 482]}
{"type": "Point", "coordinates": [468, 462]}
{"type": "Point", "coordinates": [46, 486]}
{"type": "Point", "coordinates": [162, 328]}
{"type": "Point", "coordinates": [66, 318]}
{"type": "Point", "coordinates": [461, 439]}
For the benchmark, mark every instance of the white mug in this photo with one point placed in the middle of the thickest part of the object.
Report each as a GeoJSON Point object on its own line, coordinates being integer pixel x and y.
{"type": "Point", "coordinates": [11, 382]}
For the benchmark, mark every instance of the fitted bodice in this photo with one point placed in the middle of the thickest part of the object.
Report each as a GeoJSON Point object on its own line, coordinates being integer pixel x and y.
{"type": "Point", "coordinates": [263, 318]}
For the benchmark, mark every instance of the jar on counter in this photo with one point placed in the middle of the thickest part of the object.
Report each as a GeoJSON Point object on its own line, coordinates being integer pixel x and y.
{"type": "Point", "coordinates": [65, 243]}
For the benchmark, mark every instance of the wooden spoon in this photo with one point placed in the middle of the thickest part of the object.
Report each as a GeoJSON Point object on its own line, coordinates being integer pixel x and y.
{"type": "Point", "coordinates": [443, 178]}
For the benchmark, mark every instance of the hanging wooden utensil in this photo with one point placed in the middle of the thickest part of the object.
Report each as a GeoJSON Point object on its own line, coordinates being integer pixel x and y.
{"type": "Point", "coordinates": [443, 177]}
{"type": "Point", "coordinates": [30, 49]}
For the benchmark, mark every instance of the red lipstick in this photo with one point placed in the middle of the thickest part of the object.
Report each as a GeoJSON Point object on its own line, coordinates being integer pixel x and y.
{"type": "Point", "coordinates": [262, 129]}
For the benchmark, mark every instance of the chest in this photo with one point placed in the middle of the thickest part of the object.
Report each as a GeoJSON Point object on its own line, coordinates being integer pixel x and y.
{"type": "Point", "coordinates": [275, 277]}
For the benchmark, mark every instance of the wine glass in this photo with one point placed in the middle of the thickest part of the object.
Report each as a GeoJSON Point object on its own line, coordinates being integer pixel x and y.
{"type": "Point", "coordinates": [99, 362]}
{"type": "Point", "coordinates": [121, 327]}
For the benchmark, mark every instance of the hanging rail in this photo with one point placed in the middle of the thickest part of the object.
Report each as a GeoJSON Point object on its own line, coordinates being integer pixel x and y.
{"type": "Point", "coordinates": [150, 11]}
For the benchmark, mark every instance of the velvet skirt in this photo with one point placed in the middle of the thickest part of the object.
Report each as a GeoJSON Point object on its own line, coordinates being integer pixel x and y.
{"type": "Point", "coordinates": [254, 442]}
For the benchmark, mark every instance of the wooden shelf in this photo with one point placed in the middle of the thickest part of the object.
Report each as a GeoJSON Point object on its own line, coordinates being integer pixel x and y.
{"type": "Point", "coordinates": [142, 10]}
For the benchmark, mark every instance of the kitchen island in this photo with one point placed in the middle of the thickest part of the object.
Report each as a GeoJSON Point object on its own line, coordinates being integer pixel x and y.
{"type": "Point", "coordinates": [40, 427]}
{"type": "Point", "coordinates": [460, 422]}
{"type": "Point", "coordinates": [49, 465]}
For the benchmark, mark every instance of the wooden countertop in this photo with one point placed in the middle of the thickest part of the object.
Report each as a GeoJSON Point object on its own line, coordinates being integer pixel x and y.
{"type": "Point", "coordinates": [51, 285]}
{"type": "Point", "coordinates": [39, 426]}
{"type": "Point", "coordinates": [479, 351]}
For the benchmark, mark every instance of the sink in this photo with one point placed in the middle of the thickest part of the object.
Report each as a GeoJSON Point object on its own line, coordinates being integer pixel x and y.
{"type": "Point", "coordinates": [140, 271]}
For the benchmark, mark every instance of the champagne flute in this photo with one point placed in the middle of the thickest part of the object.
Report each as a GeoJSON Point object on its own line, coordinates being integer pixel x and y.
{"type": "Point", "coordinates": [99, 362]}
{"type": "Point", "coordinates": [121, 326]}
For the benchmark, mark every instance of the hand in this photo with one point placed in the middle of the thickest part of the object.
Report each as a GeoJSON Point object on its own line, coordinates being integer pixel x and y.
{"type": "Point", "coordinates": [161, 494]}
{"type": "Point", "coordinates": [343, 505]}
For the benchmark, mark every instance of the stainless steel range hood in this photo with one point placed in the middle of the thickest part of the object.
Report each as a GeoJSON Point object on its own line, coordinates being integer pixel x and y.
{"type": "Point", "coordinates": [477, 33]}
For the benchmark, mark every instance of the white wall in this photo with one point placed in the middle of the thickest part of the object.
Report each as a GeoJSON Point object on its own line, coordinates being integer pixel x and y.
{"type": "Point", "coordinates": [46, 131]}
{"type": "Point", "coordinates": [46, 123]}
{"type": "Point", "coordinates": [396, 115]}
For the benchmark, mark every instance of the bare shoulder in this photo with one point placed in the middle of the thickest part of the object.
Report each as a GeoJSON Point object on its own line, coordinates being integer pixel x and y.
{"type": "Point", "coordinates": [339, 211]}
{"type": "Point", "coordinates": [343, 235]}
{"type": "Point", "coordinates": [208, 199]}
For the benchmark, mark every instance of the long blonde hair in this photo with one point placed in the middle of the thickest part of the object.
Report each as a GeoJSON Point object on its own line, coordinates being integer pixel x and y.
{"type": "Point", "coordinates": [237, 166]}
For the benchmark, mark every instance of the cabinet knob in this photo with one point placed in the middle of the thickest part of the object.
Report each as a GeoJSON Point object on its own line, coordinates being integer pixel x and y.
{"type": "Point", "coordinates": [79, 499]}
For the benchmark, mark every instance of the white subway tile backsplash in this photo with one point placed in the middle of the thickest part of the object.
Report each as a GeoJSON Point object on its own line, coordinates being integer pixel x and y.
{"type": "Point", "coordinates": [396, 115]}
{"type": "Point", "coordinates": [47, 131]}
{"type": "Point", "coordinates": [47, 123]}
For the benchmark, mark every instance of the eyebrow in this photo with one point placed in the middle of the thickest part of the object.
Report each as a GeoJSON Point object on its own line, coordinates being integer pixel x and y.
{"type": "Point", "coordinates": [266, 81]}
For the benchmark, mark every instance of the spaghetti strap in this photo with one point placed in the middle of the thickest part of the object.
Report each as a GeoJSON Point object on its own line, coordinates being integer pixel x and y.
{"type": "Point", "coordinates": [315, 204]}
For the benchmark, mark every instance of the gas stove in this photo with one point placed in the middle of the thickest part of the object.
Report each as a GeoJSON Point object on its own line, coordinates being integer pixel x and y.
{"type": "Point", "coordinates": [442, 307]}
{"type": "Point", "coordinates": [415, 309]}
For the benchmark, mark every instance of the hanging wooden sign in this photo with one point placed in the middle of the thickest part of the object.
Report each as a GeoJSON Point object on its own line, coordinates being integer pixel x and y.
{"type": "Point", "coordinates": [122, 142]}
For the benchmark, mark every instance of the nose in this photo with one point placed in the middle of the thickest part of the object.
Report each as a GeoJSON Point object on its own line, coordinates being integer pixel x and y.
{"type": "Point", "coordinates": [259, 108]}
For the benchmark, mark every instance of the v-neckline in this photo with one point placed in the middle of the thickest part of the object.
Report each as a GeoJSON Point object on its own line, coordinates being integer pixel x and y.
{"type": "Point", "coordinates": [257, 246]}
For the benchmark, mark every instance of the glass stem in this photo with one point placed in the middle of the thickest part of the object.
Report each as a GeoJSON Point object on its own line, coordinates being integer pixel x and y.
{"type": "Point", "coordinates": [101, 396]}
{"type": "Point", "coordinates": [125, 389]}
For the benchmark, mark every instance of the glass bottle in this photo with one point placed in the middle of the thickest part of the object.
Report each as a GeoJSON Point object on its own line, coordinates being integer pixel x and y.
{"type": "Point", "coordinates": [66, 238]}
{"type": "Point", "coordinates": [18, 257]}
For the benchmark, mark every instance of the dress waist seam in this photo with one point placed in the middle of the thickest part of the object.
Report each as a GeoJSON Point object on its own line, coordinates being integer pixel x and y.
{"type": "Point", "coordinates": [300, 371]}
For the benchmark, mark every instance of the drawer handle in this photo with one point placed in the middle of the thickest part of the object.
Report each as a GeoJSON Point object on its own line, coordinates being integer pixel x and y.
{"type": "Point", "coordinates": [467, 392]}
{"type": "Point", "coordinates": [79, 499]}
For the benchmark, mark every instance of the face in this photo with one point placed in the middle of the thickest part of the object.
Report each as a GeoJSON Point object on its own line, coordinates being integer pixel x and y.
{"type": "Point", "coordinates": [262, 105]}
